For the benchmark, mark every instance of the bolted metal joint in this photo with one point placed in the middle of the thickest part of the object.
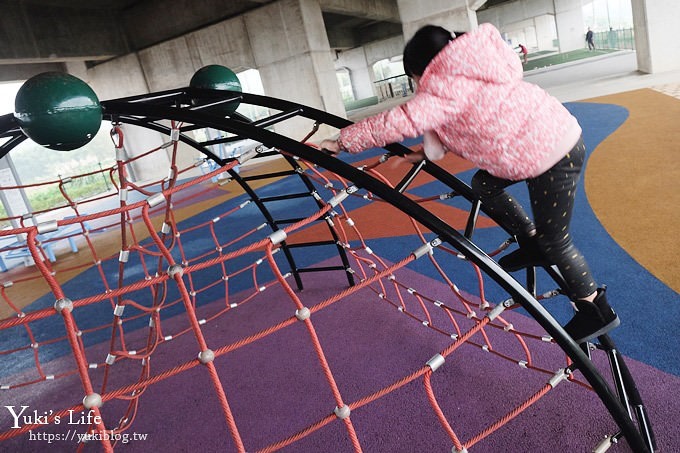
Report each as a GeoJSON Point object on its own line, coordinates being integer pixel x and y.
{"type": "Point", "coordinates": [92, 400]}
{"type": "Point", "coordinates": [175, 269]}
{"type": "Point", "coordinates": [63, 304]}
{"type": "Point", "coordinates": [206, 356]}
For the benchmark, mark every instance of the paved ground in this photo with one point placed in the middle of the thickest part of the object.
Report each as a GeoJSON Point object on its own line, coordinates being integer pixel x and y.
{"type": "Point", "coordinates": [599, 76]}
{"type": "Point", "coordinates": [578, 80]}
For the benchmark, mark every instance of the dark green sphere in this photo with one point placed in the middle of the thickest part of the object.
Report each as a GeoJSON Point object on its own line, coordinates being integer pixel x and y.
{"type": "Point", "coordinates": [58, 111]}
{"type": "Point", "coordinates": [216, 77]}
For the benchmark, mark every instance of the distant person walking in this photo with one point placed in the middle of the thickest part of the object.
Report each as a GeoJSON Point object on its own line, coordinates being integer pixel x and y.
{"type": "Point", "coordinates": [589, 39]}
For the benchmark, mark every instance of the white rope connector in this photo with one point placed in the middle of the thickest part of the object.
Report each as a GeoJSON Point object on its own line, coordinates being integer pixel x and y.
{"type": "Point", "coordinates": [156, 199]}
{"type": "Point", "coordinates": [426, 249]}
{"type": "Point", "coordinates": [47, 227]}
{"type": "Point", "coordinates": [340, 196]}
{"type": "Point", "coordinates": [245, 157]}
{"type": "Point", "coordinates": [342, 412]}
{"type": "Point", "coordinates": [118, 311]}
{"type": "Point", "coordinates": [110, 359]}
{"type": "Point", "coordinates": [498, 309]}
{"type": "Point", "coordinates": [605, 444]}
{"type": "Point", "coordinates": [278, 237]}
{"type": "Point", "coordinates": [165, 228]}
{"type": "Point", "coordinates": [435, 362]}
{"type": "Point", "coordinates": [551, 293]}
{"type": "Point", "coordinates": [560, 376]}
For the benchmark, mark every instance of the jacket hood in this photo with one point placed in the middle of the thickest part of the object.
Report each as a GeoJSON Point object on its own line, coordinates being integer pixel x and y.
{"type": "Point", "coordinates": [481, 55]}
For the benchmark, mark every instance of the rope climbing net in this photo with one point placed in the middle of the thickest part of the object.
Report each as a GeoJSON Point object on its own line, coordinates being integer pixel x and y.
{"type": "Point", "coordinates": [197, 279]}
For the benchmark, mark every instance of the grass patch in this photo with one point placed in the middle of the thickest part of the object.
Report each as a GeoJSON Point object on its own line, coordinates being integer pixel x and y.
{"type": "Point", "coordinates": [566, 57]}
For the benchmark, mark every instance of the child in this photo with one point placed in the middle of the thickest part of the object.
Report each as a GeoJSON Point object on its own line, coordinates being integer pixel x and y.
{"type": "Point", "coordinates": [471, 100]}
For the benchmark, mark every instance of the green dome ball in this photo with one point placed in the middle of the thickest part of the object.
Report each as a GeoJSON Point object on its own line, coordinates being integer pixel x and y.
{"type": "Point", "coordinates": [216, 77]}
{"type": "Point", "coordinates": [58, 111]}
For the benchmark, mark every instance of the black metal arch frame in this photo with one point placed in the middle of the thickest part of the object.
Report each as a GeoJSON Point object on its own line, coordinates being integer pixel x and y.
{"type": "Point", "coordinates": [198, 108]}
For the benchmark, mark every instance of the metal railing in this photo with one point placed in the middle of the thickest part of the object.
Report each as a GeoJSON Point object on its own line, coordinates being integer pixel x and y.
{"type": "Point", "coordinates": [393, 87]}
{"type": "Point", "coordinates": [615, 39]}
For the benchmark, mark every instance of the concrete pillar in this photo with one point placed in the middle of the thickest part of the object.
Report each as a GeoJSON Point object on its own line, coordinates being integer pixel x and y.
{"type": "Point", "coordinates": [118, 78]}
{"type": "Point", "coordinates": [137, 141]}
{"type": "Point", "coordinates": [532, 21]}
{"type": "Point", "coordinates": [545, 31]}
{"type": "Point", "coordinates": [291, 50]}
{"type": "Point", "coordinates": [454, 15]}
{"type": "Point", "coordinates": [360, 73]}
{"type": "Point", "coordinates": [656, 41]}
{"type": "Point", "coordinates": [571, 31]}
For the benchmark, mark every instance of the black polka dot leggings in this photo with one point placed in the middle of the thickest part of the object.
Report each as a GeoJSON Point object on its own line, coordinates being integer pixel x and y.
{"type": "Point", "coordinates": [552, 201]}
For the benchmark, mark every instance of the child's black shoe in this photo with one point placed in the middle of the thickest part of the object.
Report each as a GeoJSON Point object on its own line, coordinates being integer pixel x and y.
{"type": "Point", "coordinates": [592, 319]}
{"type": "Point", "coordinates": [527, 255]}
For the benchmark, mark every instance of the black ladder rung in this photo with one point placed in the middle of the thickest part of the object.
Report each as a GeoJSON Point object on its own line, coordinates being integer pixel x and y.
{"type": "Point", "coordinates": [310, 244]}
{"type": "Point", "coordinates": [268, 154]}
{"type": "Point", "coordinates": [321, 269]}
{"type": "Point", "coordinates": [269, 175]}
{"type": "Point", "coordinates": [289, 221]}
{"type": "Point", "coordinates": [289, 196]}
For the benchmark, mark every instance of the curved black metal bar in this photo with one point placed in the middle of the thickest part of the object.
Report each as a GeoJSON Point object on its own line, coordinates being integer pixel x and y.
{"type": "Point", "coordinates": [182, 105]}
{"type": "Point", "coordinates": [285, 247]}
{"type": "Point", "coordinates": [9, 129]}
{"type": "Point", "coordinates": [414, 210]}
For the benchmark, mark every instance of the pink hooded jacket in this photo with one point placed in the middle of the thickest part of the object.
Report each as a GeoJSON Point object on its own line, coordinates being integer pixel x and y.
{"type": "Point", "coordinates": [473, 98]}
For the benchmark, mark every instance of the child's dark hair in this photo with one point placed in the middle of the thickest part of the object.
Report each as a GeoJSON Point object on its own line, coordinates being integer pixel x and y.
{"type": "Point", "coordinates": [422, 48]}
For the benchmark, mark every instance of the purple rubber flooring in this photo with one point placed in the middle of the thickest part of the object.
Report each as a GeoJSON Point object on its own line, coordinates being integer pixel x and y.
{"type": "Point", "coordinates": [275, 386]}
